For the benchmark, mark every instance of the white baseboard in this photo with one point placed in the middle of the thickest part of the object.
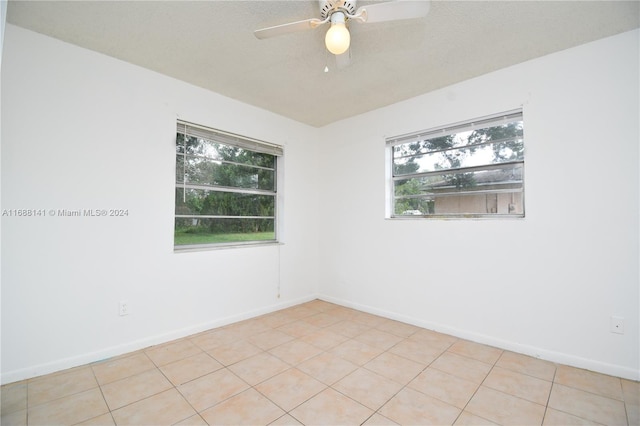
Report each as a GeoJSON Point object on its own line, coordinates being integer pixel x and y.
{"type": "Point", "coordinates": [87, 358]}
{"type": "Point", "coordinates": [106, 353]}
{"type": "Point", "coordinates": [547, 355]}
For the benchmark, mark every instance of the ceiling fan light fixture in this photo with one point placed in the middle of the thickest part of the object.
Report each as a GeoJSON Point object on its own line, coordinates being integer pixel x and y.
{"type": "Point", "coordinates": [337, 38]}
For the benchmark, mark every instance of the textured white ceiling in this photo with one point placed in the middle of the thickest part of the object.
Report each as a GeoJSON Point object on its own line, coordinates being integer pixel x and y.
{"type": "Point", "coordinates": [211, 44]}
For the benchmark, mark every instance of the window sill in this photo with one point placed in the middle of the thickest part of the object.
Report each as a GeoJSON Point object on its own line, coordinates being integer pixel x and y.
{"type": "Point", "coordinates": [494, 216]}
{"type": "Point", "coordinates": [226, 246]}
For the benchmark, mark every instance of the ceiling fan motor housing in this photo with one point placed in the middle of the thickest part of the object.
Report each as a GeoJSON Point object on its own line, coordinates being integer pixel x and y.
{"type": "Point", "coordinates": [329, 6]}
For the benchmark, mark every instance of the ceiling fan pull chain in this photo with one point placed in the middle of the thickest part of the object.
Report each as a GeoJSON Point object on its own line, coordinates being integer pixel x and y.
{"type": "Point", "coordinates": [326, 60]}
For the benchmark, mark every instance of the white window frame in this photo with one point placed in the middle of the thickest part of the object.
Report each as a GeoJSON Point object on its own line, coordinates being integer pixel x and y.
{"type": "Point", "coordinates": [470, 125]}
{"type": "Point", "coordinates": [246, 143]}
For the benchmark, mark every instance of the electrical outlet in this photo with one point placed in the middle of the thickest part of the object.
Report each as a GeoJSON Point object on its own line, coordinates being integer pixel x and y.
{"type": "Point", "coordinates": [123, 308]}
{"type": "Point", "coordinates": [617, 325]}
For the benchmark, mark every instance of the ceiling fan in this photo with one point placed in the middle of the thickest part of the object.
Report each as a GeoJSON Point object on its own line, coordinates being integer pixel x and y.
{"type": "Point", "coordinates": [340, 12]}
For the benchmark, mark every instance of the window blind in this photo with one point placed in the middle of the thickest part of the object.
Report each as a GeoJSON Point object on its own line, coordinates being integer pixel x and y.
{"type": "Point", "coordinates": [481, 123]}
{"type": "Point", "coordinates": [190, 129]}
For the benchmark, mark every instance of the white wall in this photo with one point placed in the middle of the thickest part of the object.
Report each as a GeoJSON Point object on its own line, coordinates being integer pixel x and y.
{"type": "Point", "coordinates": [81, 130]}
{"type": "Point", "coordinates": [84, 131]}
{"type": "Point", "coordinates": [545, 285]}
{"type": "Point", "coordinates": [3, 22]}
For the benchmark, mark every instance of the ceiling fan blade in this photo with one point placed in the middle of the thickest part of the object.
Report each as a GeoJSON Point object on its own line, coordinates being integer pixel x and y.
{"type": "Point", "coordinates": [393, 10]}
{"type": "Point", "coordinates": [291, 27]}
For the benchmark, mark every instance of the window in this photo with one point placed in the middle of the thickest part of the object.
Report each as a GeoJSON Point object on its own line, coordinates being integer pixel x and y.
{"type": "Point", "coordinates": [472, 169]}
{"type": "Point", "coordinates": [226, 188]}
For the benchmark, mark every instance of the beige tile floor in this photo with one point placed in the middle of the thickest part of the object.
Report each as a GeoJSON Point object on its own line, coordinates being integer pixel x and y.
{"type": "Point", "coordinates": [322, 364]}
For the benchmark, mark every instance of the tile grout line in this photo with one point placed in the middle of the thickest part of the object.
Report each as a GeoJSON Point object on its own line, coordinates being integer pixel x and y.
{"type": "Point", "coordinates": [624, 400]}
{"type": "Point", "coordinates": [590, 393]}
{"type": "Point", "coordinates": [546, 407]}
{"type": "Point", "coordinates": [478, 388]}
{"type": "Point", "coordinates": [27, 398]}
{"type": "Point", "coordinates": [358, 367]}
{"type": "Point", "coordinates": [174, 386]}
{"type": "Point", "coordinates": [57, 398]}
{"type": "Point", "coordinates": [404, 383]}
{"type": "Point", "coordinates": [377, 411]}
{"type": "Point", "coordinates": [103, 398]}
{"type": "Point", "coordinates": [291, 366]}
{"type": "Point", "coordinates": [288, 412]}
